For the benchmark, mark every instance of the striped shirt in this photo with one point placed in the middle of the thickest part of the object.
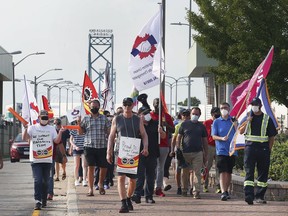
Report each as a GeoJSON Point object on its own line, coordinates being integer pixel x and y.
{"type": "Point", "coordinates": [95, 130]}
{"type": "Point", "coordinates": [78, 139]}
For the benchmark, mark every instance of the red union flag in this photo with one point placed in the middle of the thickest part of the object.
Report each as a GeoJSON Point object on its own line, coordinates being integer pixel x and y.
{"type": "Point", "coordinates": [47, 107]}
{"type": "Point", "coordinates": [251, 90]}
{"type": "Point", "coordinates": [88, 93]}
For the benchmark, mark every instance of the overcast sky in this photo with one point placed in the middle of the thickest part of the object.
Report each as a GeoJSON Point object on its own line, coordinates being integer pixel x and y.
{"type": "Point", "coordinates": [60, 28]}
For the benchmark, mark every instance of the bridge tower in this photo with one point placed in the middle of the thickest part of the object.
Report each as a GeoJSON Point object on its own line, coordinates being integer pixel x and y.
{"type": "Point", "coordinates": [100, 58]}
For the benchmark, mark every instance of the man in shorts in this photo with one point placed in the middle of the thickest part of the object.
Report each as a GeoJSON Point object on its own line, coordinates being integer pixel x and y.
{"type": "Point", "coordinates": [96, 128]}
{"type": "Point", "coordinates": [220, 133]}
{"type": "Point", "coordinates": [126, 125]}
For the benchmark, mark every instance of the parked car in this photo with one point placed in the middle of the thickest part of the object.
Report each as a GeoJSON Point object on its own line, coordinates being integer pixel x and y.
{"type": "Point", "coordinates": [19, 149]}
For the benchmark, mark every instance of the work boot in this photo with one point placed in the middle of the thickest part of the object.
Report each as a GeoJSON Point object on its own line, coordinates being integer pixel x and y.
{"type": "Point", "coordinates": [129, 204]}
{"type": "Point", "coordinates": [124, 207]}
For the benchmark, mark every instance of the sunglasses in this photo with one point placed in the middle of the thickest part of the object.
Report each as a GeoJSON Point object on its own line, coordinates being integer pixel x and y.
{"type": "Point", "coordinates": [127, 104]}
{"type": "Point", "coordinates": [44, 118]}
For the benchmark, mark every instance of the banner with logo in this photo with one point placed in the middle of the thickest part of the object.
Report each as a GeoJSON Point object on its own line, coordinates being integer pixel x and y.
{"type": "Point", "coordinates": [88, 92]}
{"type": "Point", "coordinates": [41, 147]}
{"type": "Point", "coordinates": [145, 57]}
{"type": "Point", "coordinates": [128, 157]}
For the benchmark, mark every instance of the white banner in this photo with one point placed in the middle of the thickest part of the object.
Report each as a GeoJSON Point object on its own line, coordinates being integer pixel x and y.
{"type": "Point", "coordinates": [142, 64]}
{"type": "Point", "coordinates": [128, 157]}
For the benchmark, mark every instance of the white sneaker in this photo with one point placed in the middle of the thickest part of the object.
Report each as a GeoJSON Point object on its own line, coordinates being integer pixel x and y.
{"type": "Point", "coordinates": [84, 183]}
{"type": "Point", "coordinates": [77, 183]}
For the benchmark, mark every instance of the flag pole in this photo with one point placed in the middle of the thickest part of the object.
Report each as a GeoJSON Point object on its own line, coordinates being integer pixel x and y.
{"type": "Point", "coordinates": [30, 121]}
{"type": "Point", "coordinates": [160, 73]}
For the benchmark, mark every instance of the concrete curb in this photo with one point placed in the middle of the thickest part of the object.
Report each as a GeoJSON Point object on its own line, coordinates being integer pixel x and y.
{"type": "Point", "coordinates": [72, 203]}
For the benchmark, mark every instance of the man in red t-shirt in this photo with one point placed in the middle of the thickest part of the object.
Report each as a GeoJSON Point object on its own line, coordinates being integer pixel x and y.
{"type": "Point", "coordinates": [168, 126]}
{"type": "Point", "coordinates": [215, 113]}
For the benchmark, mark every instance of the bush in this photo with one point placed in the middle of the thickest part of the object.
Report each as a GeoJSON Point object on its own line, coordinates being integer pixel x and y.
{"type": "Point", "coordinates": [279, 159]}
{"type": "Point", "coordinates": [239, 160]}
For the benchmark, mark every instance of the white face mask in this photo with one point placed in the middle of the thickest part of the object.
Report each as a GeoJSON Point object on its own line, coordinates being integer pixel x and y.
{"type": "Point", "coordinates": [147, 117]}
{"type": "Point", "coordinates": [255, 109]}
{"type": "Point", "coordinates": [194, 118]}
{"type": "Point", "coordinates": [224, 112]}
{"type": "Point", "coordinates": [44, 122]}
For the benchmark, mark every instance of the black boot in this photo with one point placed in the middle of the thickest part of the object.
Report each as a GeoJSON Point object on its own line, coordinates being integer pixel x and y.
{"type": "Point", "coordinates": [129, 204]}
{"type": "Point", "coordinates": [124, 207]}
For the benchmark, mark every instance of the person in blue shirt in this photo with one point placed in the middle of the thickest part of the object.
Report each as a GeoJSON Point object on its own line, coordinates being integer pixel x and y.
{"type": "Point", "coordinates": [223, 130]}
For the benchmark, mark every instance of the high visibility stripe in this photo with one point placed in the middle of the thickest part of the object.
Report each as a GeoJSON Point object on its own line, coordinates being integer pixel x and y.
{"type": "Point", "coordinates": [249, 183]}
{"type": "Point", "coordinates": [262, 138]}
{"type": "Point", "coordinates": [262, 184]}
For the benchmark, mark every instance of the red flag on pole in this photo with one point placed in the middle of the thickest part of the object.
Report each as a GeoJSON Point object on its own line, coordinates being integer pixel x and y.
{"type": "Point", "coordinates": [47, 107]}
{"type": "Point", "coordinates": [88, 92]}
{"type": "Point", "coordinates": [251, 90]}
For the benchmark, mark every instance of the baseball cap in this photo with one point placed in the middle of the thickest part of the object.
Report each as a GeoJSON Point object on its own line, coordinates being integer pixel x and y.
{"type": "Point", "coordinates": [43, 113]}
{"type": "Point", "coordinates": [256, 101]}
{"type": "Point", "coordinates": [127, 100]}
{"type": "Point", "coordinates": [185, 112]}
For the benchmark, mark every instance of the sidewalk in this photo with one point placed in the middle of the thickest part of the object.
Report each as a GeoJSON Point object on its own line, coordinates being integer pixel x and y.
{"type": "Point", "coordinates": [72, 201]}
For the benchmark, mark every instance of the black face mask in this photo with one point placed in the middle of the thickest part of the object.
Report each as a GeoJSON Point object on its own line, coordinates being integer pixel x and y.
{"type": "Point", "coordinates": [94, 110]}
{"type": "Point", "coordinates": [217, 115]}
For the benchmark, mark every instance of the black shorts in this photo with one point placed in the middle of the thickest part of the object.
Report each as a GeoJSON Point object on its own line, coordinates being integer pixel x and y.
{"type": "Point", "coordinates": [96, 157]}
{"type": "Point", "coordinates": [131, 176]}
{"type": "Point", "coordinates": [225, 163]}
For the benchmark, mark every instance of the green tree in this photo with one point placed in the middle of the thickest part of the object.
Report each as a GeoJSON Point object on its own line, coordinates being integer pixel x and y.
{"type": "Point", "coordinates": [194, 102]}
{"type": "Point", "coordinates": [239, 34]}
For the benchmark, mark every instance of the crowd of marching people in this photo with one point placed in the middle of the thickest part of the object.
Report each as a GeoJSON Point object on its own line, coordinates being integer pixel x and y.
{"type": "Point", "coordinates": [193, 146]}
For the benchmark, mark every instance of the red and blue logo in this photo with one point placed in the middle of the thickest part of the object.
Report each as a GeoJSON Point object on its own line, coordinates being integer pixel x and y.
{"type": "Point", "coordinates": [144, 46]}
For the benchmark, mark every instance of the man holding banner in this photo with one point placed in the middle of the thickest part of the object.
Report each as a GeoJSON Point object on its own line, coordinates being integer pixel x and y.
{"type": "Point", "coordinates": [259, 132]}
{"type": "Point", "coordinates": [41, 137]}
{"type": "Point", "coordinates": [130, 132]}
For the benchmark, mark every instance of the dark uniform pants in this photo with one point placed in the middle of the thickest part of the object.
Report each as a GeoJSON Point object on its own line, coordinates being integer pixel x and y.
{"type": "Point", "coordinates": [256, 155]}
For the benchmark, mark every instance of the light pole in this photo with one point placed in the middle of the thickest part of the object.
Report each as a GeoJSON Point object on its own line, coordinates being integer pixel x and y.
{"type": "Point", "coordinates": [176, 91]}
{"type": "Point", "coordinates": [49, 87]}
{"type": "Point", "coordinates": [189, 46]}
{"type": "Point", "coordinates": [60, 87]}
{"type": "Point", "coordinates": [35, 80]}
{"type": "Point", "coordinates": [13, 84]}
{"type": "Point", "coordinates": [1, 90]}
{"type": "Point", "coordinates": [43, 81]}
{"type": "Point", "coordinates": [170, 85]}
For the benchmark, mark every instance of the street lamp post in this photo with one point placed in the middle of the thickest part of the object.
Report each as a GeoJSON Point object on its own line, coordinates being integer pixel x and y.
{"type": "Point", "coordinates": [176, 91]}
{"type": "Point", "coordinates": [13, 85]}
{"type": "Point", "coordinates": [170, 85]}
{"type": "Point", "coordinates": [49, 87]}
{"type": "Point", "coordinates": [35, 80]}
{"type": "Point", "coordinates": [189, 46]}
{"type": "Point", "coordinates": [60, 87]}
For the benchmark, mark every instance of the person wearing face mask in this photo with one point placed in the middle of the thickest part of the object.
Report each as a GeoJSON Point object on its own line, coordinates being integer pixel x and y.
{"type": "Point", "coordinates": [192, 138]}
{"type": "Point", "coordinates": [185, 116]}
{"type": "Point", "coordinates": [126, 126]}
{"type": "Point", "coordinates": [96, 128]}
{"type": "Point", "coordinates": [223, 130]}
{"type": "Point", "coordinates": [168, 126]}
{"type": "Point", "coordinates": [147, 164]}
{"type": "Point", "coordinates": [259, 138]}
{"type": "Point", "coordinates": [215, 113]}
{"type": "Point", "coordinates": [41, 155]}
